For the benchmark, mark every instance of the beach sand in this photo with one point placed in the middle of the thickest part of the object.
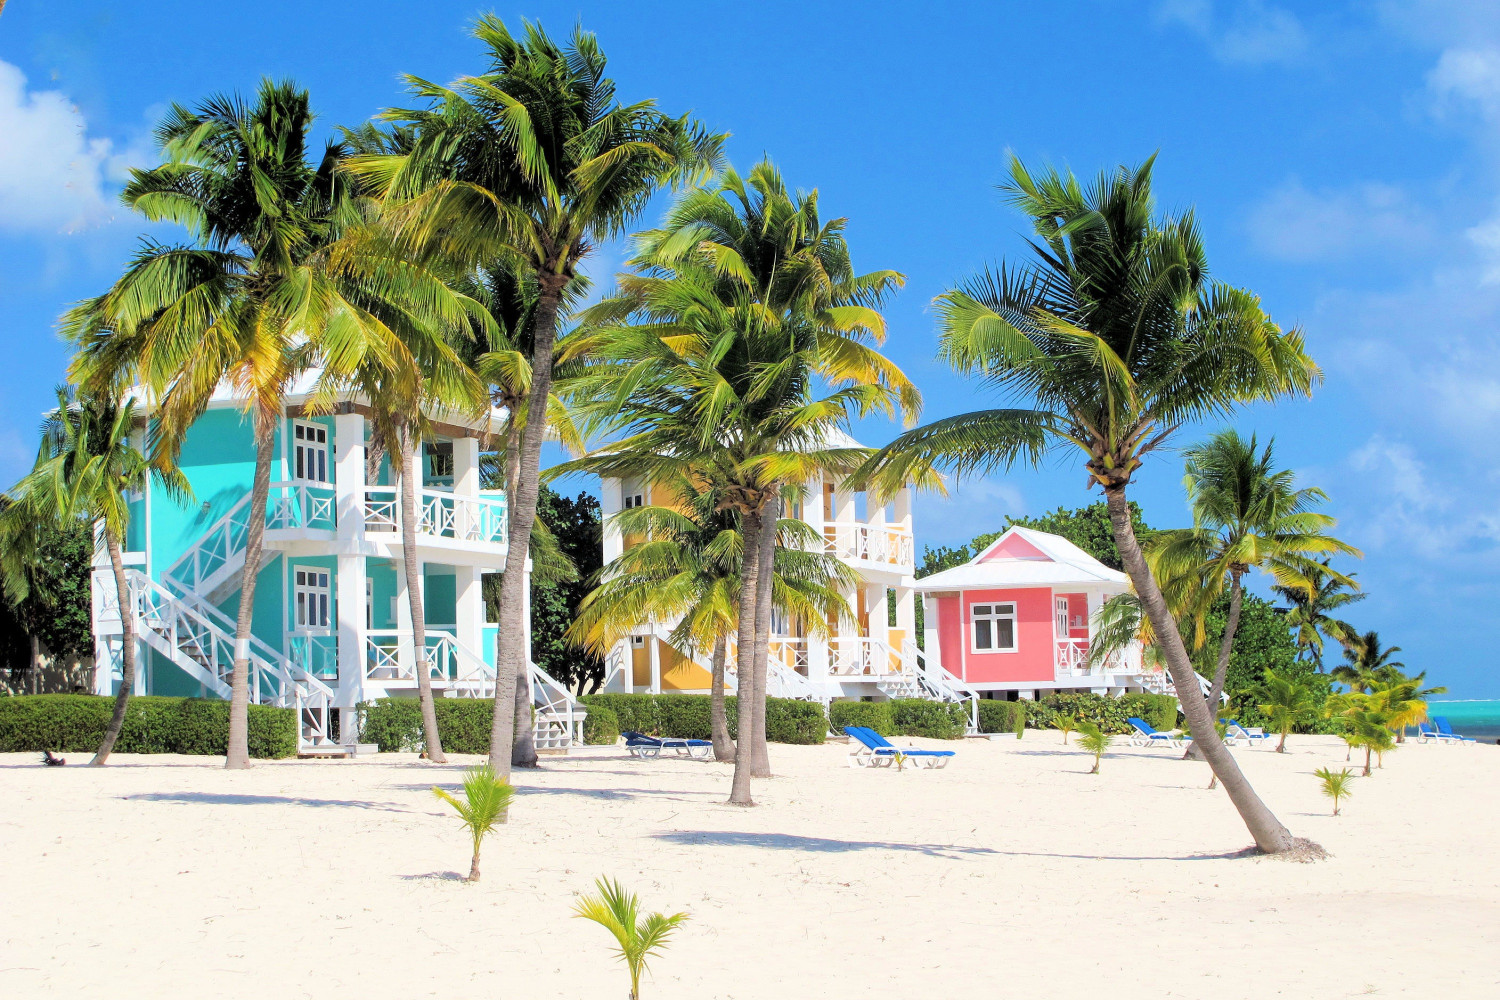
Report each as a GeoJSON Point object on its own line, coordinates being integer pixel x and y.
{"type": "Point", "coordinates": [1012, 873]}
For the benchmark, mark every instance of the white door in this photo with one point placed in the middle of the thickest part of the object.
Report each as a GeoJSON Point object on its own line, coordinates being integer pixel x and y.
{"type": "Point", "coordinates": [1062, 617]}
{"type": "Point", "coordinates": [311, 596]}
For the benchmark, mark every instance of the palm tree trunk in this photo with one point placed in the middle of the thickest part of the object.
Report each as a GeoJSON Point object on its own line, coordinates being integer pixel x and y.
{"type": "Point", "coordinates": [1367, 762]}
{"type": "Point", "coordinates": [127, 656]}
{"type": "Point", "coordinates": [523, 747]}
{"type": "Point", "coordinates": [474, 867]}
{"type": "Point", "coordinates": [510, 656]}
{"type": "Point", "coordinates": [237, 752]}
{"type": "Point", "coordinates": [718, 718]}
{"type": "Point", "coordinates": [1270, 836]}
{"type": "Point", "coordinates": [760, 755]}
{"type": "Point", "coordinates": [1281, 746]}
{"type": "Point", "coordinates": [412, 566]}
{"type": "Point", "coordinates": [739, 790]}
{"type": "Point", "coordinates": [1226, 645]}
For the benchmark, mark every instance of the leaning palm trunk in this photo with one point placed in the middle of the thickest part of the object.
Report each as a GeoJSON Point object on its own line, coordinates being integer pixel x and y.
{"type": "Point", "coordinates": [760, 755]}
{"type": "Point", "coordinates": [718, 718]}
{"type": "Point", "coordinates": [412, 566]}
{"type": "Point", "coordinates": [1226, 646]}
{"type": "Point", "coordinates": [237, 752]}
{"type": "Point", "coordinates": [523, 749]}
{"type": "Point", "coordinates": [1270, 836]}
{"type": "Point", "coordinates": [510, 641]}
{"type": "Point", "coordinates": [127, 655]}
{"type": "Point", "coordinates": [739, 791]}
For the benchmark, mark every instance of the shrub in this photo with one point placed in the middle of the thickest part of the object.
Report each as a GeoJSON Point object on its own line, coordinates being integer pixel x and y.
{"type": "Point", "coordinates": [395, 724]}
{"type": "Point", "coordinates": [934, 719]}
{"type": "Point", "coordinates": [1001, 716]}
{"type": "Point", "coordinates": [635, 712]}
{"type": "Point", "coordinates": [75, 723]}
{"type": "Point", "coordinates": [874, 715]}
{"type": "Point", "coordinates": [1158, 709]}
{"type": "Point", "coordinates": [685, 717]}
{"type": "Point", "coordinates": [789, 720]}
{"type": "Point", "coordinates": [1096, 709]}
{"type": "Point", "coordinates": [601, 727]}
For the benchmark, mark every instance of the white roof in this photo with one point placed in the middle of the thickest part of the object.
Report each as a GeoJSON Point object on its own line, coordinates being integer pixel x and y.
{"type": "Point", "coordinates": [1037, 559]}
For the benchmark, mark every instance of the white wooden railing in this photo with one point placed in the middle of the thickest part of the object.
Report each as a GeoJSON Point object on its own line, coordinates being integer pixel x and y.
{"type": "Point", "coordinates": [440, 514]}
{"type": "Point", "coordinates": [288, 505]}
{"type": "Point", "coordinates": [877, 543]}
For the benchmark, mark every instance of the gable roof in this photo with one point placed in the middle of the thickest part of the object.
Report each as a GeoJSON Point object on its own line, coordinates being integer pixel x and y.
{"type": "Point", "coordinates": [1022, 557]}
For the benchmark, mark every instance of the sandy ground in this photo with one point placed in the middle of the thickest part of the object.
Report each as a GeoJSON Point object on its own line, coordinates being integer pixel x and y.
{"type": "Point", "coordinates": [1013, 873]}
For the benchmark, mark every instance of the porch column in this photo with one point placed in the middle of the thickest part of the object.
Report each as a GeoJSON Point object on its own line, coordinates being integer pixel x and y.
{"type": "Point", "coordinates": [611, 499]}
{"type": "Point", "coordinates": [350, 573]}
{"type": "Point", "coordinates": [655, 648]}
{"type": "Point", "coordinates": [466, 466]}
{"type": "Point", "coordinates": [406, 652]}
{"type": "Point", "coordinates": [469, 608]}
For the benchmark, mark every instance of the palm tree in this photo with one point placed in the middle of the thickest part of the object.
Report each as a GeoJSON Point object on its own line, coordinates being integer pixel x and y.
{"type": "Point", "coordinates": [85, 469]}
{"type": "Point", "coordinates": [251, 302]}
{"type": "Point", "coordinates": [1095, 741]}
{"type": "Point", "coordinates": [637, 937]}
{"type": "Point", "coordinates": [687, 571]}
{"type": "Point", "coordinates": [1313, 604]}
{"type": "Point", "coordinates": [1109, 341]}
{"type": "Point", "coordinates": [534, 161]}
{"type": "Point", "coordinates": [1065, 724]}
{"type": "Point", "coordinates": [743, 305]}
{"type": "Point", "coordinates": [1367, 663]}
{"type": "Point", "coordinates": [1335, 784]}
{"type": "Point", "coordinates": [1247, 514]}
{"type": "Point", "coordinates": [485, 803]}
{"type": "Point", "coordinates": [1291, 701]}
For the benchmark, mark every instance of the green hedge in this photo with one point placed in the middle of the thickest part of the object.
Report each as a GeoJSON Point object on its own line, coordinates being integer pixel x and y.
{"type": "Point", "coordinates": [686, 716]}
{"type": "Point", "coordinates": [75, 723]}
{"type": "Point", "coordinates": [1109, 714]}
{"type": "Point", "coordinates": [601, 727]}
{"type": "Point", "coordinates": [395, 724]}
{"type": "Point", "coordinates": [1002, 716]}
{"type": "Point", "coordinates": [936, 720]}
{"type": "Point", "coordinates": [874, 715]}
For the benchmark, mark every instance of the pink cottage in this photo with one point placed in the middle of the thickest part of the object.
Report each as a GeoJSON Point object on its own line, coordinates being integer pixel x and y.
{"type": "Point", "coordinates": [1015, 621]}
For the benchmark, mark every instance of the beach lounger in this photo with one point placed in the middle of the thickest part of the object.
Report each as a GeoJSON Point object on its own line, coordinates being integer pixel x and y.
{"type": "Point", "coordinates": [1145, 736]}
{"type": "Point", "coordinates": [650, 747]}
{"type": "Point", "coordinates": [1445, 731]}
{"type": "Point", "coordinates": [1253, 735]}
{"type": "Point", "coordinates": [1427, 732]}
{"type": "Point", "coordinates": [870, 749]}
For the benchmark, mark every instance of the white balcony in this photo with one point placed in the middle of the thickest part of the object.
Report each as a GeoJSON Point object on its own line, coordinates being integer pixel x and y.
{"type": "Point", "coordinates": [870, 545]}
{"type": "Point", "coordinates": [440, 515]}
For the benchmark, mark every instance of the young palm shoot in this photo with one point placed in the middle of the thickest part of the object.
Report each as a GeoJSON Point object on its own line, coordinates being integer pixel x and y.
{"type": "Point", "coordinates": [1335, 784]}
{"type": "Point", "coordinates": [638, 937]}
{"type": "Point", "coordinates": [485, 803]}
{"type": "Point", "coordinates": [1065, 724]}
{"type": "Point", "coordinates": [1095, 741]}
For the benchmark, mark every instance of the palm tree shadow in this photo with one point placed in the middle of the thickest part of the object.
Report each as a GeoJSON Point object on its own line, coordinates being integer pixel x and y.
{"type": "Point", "coordinates": [229, 799]}
{"type": "Point", "coordinates": [826, 845]}
{"type": "Point", "coordinates": [435, 877]}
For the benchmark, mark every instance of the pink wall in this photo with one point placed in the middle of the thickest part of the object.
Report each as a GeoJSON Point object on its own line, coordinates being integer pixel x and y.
{"type": "Point", "coordinates": [1036, 649]}
{"type": "Point", "coordinates": [1078, 607]}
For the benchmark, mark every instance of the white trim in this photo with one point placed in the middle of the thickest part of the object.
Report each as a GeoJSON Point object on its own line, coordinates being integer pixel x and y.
{"type": "Point", "coordinates": [994, 616]}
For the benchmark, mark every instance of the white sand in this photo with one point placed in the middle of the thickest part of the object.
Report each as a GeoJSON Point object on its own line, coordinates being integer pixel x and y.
{"type": "Point", "coordinates": [1012, 873]}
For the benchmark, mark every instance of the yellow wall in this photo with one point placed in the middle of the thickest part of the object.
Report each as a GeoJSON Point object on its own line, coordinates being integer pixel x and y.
{"type": "Point", "coordinates": [678, 673]}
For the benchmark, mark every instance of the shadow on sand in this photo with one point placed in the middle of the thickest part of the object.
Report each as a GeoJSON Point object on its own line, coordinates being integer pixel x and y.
{"type": "Point", "coordinates": [228, 799]}
{"type": "Point", "coordinates": [825, 845]}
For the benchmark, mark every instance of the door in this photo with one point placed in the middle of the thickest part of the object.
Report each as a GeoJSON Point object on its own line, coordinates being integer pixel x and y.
{"type": "Point", "coordinates": [310, 452]}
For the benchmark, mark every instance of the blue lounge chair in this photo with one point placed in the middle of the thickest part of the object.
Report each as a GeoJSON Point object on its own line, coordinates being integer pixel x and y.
{"type": "Point", "coordinates": [1446, 732]}
{"type": "Point", "coordinates": [1145, 736]}
{"type": "Point", "coordinates": [1426, 732]}
{"type": "Point", "coordinates": [1255, 736]}
{"type": "Point", "coordinates": [874, 750]}
{"type": "Point", "coordinates": [650, 747]}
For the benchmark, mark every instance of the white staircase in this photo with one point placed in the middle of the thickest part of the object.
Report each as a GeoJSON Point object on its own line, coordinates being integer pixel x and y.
{"type": "Point", "coordinates": [938, 684]}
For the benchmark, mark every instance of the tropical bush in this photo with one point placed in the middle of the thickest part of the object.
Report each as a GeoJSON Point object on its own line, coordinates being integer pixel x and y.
{"type": "Point", "coordinates": [874, 715]}
{"type": "Point", "coordinates": [601, 727]}
{"type": "Point", "coordinates": [1096, 709]}
{"type": "Point", "coordinates": [933, 719]}
{"type": "Point", "coordinates": [686, 716]}
{"type": "Point", "coordinates": [1158, 709]}
{"type": "Point", "coordinates": [395, 724]}
{"type": "Point", "coordinates": [1002, 716]}
{"type": "Point", "coordinates": [75, 723]}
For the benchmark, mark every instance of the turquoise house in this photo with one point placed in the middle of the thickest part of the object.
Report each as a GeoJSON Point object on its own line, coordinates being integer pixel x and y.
{"type": "Point", "coordinates": [331, 625]}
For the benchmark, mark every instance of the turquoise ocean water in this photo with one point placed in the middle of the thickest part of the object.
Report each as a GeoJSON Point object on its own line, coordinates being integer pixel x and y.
{"type": "Point", "coordinates": [1479, 719]}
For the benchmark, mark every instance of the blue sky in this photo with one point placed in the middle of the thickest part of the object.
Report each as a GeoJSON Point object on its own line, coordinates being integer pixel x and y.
{"type": "Point", "coordinates": [1342, 159]}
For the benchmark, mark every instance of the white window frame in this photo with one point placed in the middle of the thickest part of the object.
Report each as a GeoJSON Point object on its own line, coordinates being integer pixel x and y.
{"type": "Point", "coordinates": [632, 494]}
{"type": "Point", "coordinates": [1060, 619]}
{"type": "Point", "coordinates": [993, 615]}
{"type": "Point", "coordinates": [311, 440]}
{"type": "Point", "coordinates": [320, 589]}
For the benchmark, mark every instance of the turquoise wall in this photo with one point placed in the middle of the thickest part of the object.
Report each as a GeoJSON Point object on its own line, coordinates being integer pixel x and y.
{"type": "Point", "coordinates": [382, 573]}
{"type": "Point", "coordinates": [218, 459]}
{"type": "Point", "coordinates": [441, 595]}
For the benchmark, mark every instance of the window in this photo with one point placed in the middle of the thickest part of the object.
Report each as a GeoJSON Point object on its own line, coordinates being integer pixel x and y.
{"type": "Point", "coordinates": [1062, 617]}
{"type": "Point", "coordinates": [311, 590]}
{"type": "Point", "coordinates": [310, 452]}
{"type": "Point", "coordinates": [369, 603]}
{"type": "Point", "coordinates": [440, 462]}
{"type": "Point", "coordinates": [634, 492]}
{"type": "Point", "coordinates": [994, 627]}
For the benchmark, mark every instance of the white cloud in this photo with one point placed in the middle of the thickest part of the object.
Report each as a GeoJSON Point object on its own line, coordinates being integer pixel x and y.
{"type": "Point", "coordinates": [1252, 33]}
{"type": "Point", "coordinates": [1296, 224]}
{"type": "Point", "coordinates": [972, 507]}
{"type": "Point", "coordinates": [1467, 77]}
{"type": "Point", "coordinates": [53, 175]}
